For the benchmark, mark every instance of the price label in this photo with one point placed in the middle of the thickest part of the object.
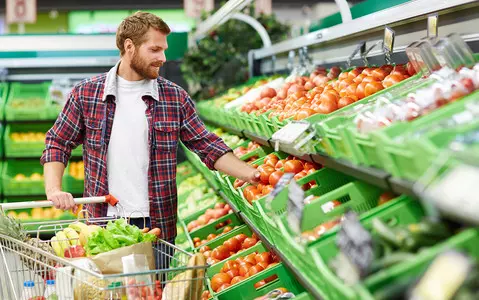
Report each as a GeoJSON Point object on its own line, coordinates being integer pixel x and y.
{"type": "Point", "coordinates": [388, 41]}
{"type": "Point", "coordinates": [432, 21]}
{"type": "Point", "coordinates": [21, 11]}
{"type": "Point", "coordinates": [455, 194]}
{"type": "Point", "coordinates": [282, 182]}
{"type": "Point", "coordinates": [295, 207]}
{"type": "Point", "coordinates": [289, 133]}
{"type": "Point", "coordinates": [356, 248]}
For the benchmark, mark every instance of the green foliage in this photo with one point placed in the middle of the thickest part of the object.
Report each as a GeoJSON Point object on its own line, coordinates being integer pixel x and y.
{"type": "Point", "coordinates": [220, 60]}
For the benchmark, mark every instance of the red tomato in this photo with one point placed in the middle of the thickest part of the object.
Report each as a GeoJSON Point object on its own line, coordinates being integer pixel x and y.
{"type": "Point", "coordinates": [275, 177]}
{"type": "Point", "coordinates": [293, 166]}
{"type": "Point", "coordinates": [220, 253]}
{"type": "Point", "coordinates": [304, 113]}
{"type": "Point", "coordinates": [250, 258]}
{"type": "Point", "coordinates": [279, 164]}
{"type": "Point", "coordinates": [410, 69]}
{"type": "Point", "coordinates": [360, 90]}
{"type": "Point", "coordinates": [379, 74]}
{"type": "Point", "coordinates": [372, 88]}
{"type": "Point", "coordinates": [263, 257]}
{"type": "Point", "coordinates": [392, 79]}
{"type": "Point", "coordinates": [237, 279]}
{"type": "Point", "coordinates": [328, 97]}
{"type": "Point", "coordinates": [228, 265]}
{"type": "Point", "coordinates": [300, 175]}
{"type": "Point", "coordinates": [265, 172]}
{"type": "Point", "coordinates": [267, 189]}
{"type": "Point", "coordinates": [249, 242]}
{"type": "Point", "coordinates": [223, 287]}
{"type": "Point", "coordinates": [233, 272]}
{"type": "Point", "coordinates": [240, 237]}
{"type": "Point", "coordinates": [249, 192]}
{"type": "Point", "coordinates": [218, 280]}
{"type": "Point", "coordinates": [328, 106]}
{"type": "Point", "coordinates": [353, 74]}
{"type": "Point", "coordinates": [232, 244]}
{"type": "Point", "coordinates": [253, 271]}
{"type": "Point", "coordinates": [343, 75]}
{"type": "Point", "coordinates": [271, 278]}
{"type": "Point", "coordinates": [368, 71]}
{"type": "Point", "coordinates": [244, 268]}
{"type": "Point", "coordinates": [259, 284]}
{"type": "Point", "coordinates": [345, 101]}
{"type": "Point", "coordinates": [210, 236]}
{"type": "Point", "coordinates": [359, 78]}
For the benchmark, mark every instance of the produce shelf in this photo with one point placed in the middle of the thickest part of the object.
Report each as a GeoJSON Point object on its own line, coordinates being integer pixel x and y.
{"type": "Point", "coordinates": [259, 139]}
{"type": "Point", "coordinates": [402, 186]}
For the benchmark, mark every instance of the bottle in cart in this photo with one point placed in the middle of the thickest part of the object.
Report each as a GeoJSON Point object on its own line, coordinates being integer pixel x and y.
{"type": "Point", "coordinates": [28, 290]}
{"type": "Point", "coordinates": [50, 291]}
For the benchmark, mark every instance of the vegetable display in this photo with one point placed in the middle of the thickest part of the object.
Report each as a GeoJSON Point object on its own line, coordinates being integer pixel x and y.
{"type": "Point", "coordinates": [229, 248]}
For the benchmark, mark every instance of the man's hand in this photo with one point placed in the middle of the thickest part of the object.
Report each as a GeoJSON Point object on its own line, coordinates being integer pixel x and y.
{"type": "Point", "coordinates": [254, 177]}
{"type": "Point", "coordinates": [62, 200]}
{"type": "Point", "coordinates": [235, 167]}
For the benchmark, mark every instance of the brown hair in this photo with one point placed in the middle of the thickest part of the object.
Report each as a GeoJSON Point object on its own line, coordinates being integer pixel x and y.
{"type": "Point", "coordinates": [135, 28]}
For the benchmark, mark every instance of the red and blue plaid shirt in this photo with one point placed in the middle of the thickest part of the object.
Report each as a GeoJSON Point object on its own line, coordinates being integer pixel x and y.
{"type": "Point", "coordinates": [87, 119]}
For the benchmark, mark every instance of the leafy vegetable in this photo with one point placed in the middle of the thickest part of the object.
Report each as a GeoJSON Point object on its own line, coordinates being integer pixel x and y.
{"type": "Point", "coordinates": [116, 235]}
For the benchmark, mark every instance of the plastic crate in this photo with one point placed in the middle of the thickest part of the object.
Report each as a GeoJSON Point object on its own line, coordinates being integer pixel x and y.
{"type": "Point", "coordinates": [337, 143]}
{"type": "Point", "coordinates": [261, 151]}
{"type": "Point", "coordinates": [214, 227]}
{"type": "Point", "coordinates": [2, 140]}
{"type": "Point", "coordinates": [402, 158]}
{"type": "Point", "coordinates": [24, 186]}
{"type": "Point", "coordinates": [267, 125]}
{"type": "Point", "coordinates": [29, 142]}
{"type": "Point", "coordinates": [28, 102]}
{"type": "Point", "coordinates": [3, 99]}
{"type": "Point", "coordinates": [326, 179]}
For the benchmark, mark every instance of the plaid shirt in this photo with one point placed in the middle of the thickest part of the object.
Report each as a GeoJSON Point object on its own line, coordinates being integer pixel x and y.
{"type": "Point", "coordinates": [87, 119]}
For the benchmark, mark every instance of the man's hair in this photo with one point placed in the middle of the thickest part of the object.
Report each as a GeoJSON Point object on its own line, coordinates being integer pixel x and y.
{"type": "Point", "coordinates": [135, 28]}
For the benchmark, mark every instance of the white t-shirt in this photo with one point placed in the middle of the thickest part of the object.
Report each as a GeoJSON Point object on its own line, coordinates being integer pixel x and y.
{"type": "Point", "coordinates": [128, 154]}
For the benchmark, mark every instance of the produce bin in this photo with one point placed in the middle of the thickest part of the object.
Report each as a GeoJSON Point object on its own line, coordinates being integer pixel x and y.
{"type": "Point", "coordinates": [17, 178]}
{"type": "Point", "coordinates": [326, 179]}
{"type": "Point", "coordinates": [3, 99]}
{"type": "Point", "coordinates": [219, 240]}
{"type": "Point", "coordinates": [25, 140]}
{"type": "Point", "coordinates": [28, 102]}
{"type": "Point", "coordinates": [410, 157]}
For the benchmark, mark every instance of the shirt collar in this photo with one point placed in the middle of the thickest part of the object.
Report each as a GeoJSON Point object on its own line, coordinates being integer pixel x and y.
{"type": "Point", "coordinates": [111, 86]}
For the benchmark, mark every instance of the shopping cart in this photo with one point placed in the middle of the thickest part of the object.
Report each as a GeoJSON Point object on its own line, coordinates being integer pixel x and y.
{"type": "Point", "coordinates": [28, 264]}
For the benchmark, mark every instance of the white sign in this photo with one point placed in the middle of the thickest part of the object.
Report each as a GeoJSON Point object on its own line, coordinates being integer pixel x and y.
{"type": "Point", "coordinates": [21, 11]}
{"type": "Point", "coordinates": [263, 7]}
{"type": "Point", "coordinates": [194, 8]}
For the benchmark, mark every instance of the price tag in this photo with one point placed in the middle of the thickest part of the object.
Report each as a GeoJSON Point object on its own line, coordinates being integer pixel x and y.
{"type": "Point", "coordinates": [455, 194]}
{"type": "Point", "coordinates": [282, 182]}
{"type": "Point", "coordinates": [289, 133]}
{"type": "Point", "coordinates": [432, 21]}
{"type": "Point", "coordinates": [356, 248]}
{"type": "Point", "coordinates": [295, 207]}
{"type": "Point", "coordinates": [388, 42]}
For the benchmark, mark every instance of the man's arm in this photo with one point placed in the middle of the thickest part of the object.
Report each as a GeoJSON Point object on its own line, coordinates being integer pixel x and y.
{"type": "Point", "coordinates": [65, 135]}
{"type": "Point", "coordinates": [210, 148]}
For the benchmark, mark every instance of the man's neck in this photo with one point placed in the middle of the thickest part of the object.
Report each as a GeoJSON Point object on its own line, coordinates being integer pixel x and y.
{"type": "Point", "coordinates": [125, 72]}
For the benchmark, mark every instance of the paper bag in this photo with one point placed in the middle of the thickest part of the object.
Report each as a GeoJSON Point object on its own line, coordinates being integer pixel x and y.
{"type": "Point", "coordinates": [110, 262]}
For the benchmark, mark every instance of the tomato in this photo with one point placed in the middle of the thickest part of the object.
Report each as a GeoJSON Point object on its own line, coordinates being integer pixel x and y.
{"type": "Point", "coordinates": [368, 71]}
{"type": "Point", "coordinates": [353, 74]}
{"type": "Point", "coordinates": [372, 88]}
{"type": "Point", "coordinates": [249, 242]}
{"type": "Point", "coordinates": [259, 284]}
{"type": "Point", "coordinates": [345, 83]}
{"type": "Point", "coordinates": [359, 78]}
{"type": "Point", "coordinates": [275, 177]}
{"type": "Point", "coordinates": [232, 244]}
{"type": "Point", "coordinates": [399, 70]}
{"type": "Point", "coordinates": [300, 175]}
{"type": "Point", "coordinates": [263, 257]}
{"type": "Point", "coordinates": [293, 166]}
{"type": "Point", "coordinates": [233, 272]}
{"type": "Point", "coordinates": [309, 85]}
{"type": "Point", "coordinates": [204, 249]}
{"type": "Point", "coordinates": [223, 287]}
{"type": "Point", "coordinates": [265, 172]}
{"type": "Point", "coordinates": [304, 113]}
{"type": "Point", "coordinates": [279, 164]}
{"type": "Point", "coordinates": [220, 253]}
{"type": "Point", "coordinates": [272, 265]}
{"type": "Point", "coordinates": [328, 97]}
{"type": "Point", "coordinates": [211, 261]}
{"type": "Point", "coordinates": [237, 279]}
{"type": "Point", "coordinates": [328, 106]}
{"type": "Point", "coordinates": [267, 92]}
{"type": "Point", "coordinates": [207, 253]}
{"type": "Point", "coordinates": [385, 197]}
{"type": "Point", "coordinates": [271, 160]}
{"type": "Point", "coordinates": [351, 89]}
{"type": "Point", "coordinates": [295, 89]}
{"type": "Point", "coordinates": [210, 236]}
{"type": "Point", "coordinates": [387, 68]}
{"type": "Point", "coordinates": [263, 265]}
{"type": "Point", "coordinates": [244, 268]}
{"type": "Point", "coordinates": [343, 75]}
{"type": "Point", "coordinates": [271, 278]}
{"type": "Point", "coordinates": [309, 165]}
{"type": "Point", "coordinates": [218, 280]}
{"type": "Point", "coordinates": [368, 79]}
{"type": "Point", "coordinates": [392, 79]}
{"type": "Point", "coordinates": [360, 90]}
{"type": "Point", "coordinates": [267, 189]}
{"type": "Point", "coordinates": [379, 74]}
{"type": "Point", "coordinates": [249, 192]}
{"type": "Point", "coordinates": [345, 101]}
{"type": "Point", "coordinates": [250, 258]}
{"type": "Point", "coordinates": [227, 229]}
{"type": "Point", "coordinates": [410, 69]}
{"type": "Point", "coordinates": [240, 237]}
{"type": "Point", "coordinates": [320, 81]}
{"type": "Point", "coordinates": [253, 271]}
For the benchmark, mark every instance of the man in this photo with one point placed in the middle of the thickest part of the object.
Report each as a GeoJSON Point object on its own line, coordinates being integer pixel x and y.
{"type": "Point", "coordinates": [129, 121]}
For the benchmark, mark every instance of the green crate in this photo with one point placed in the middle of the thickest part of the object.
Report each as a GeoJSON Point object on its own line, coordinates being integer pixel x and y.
{"type": "Point", "coordinates": [14, 186]}
{"type": "Point", "coordinates": [28, 102]}
{"type": "Point", "coordinates": [326, 179]}
{"type": "Point", "coordinates": [3, 99]}
{"type": "Point", "coordinates": [2, 140]}
{"type": "Point", "coordinates": [203, 232]}
{"type": "Point", "coordinates": [402, 158]}
{"type": "Point", "coordinates": [245, 289]}
{"type": "Point", "coordinates": [262, 151]}
{"type": "Point", "coordinates": [338, 143]}
{"type": "Point", "coordinates": [30, 139]}
{"type": "Point", "coordinates": [267, 125]}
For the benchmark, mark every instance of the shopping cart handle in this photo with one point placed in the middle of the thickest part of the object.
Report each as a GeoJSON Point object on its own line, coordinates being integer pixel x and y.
{"type": "Point", "coordinates": [46, 203]}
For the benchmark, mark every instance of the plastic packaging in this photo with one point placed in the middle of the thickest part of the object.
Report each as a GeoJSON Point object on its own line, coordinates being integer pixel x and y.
{"type": "Point", "coordinates": [137, 285]}
{"type": "Point", "coordinates": [29, 291]}
{"type": "Point", "coordinates": [50, 291]}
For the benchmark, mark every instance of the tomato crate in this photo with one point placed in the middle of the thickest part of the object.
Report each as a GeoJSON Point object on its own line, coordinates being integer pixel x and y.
{"type": "Point", "coordinates": [406, 156]}
{"type": "Point", "coordinates": [267, 126]}
{"type": "Point", "coordinates": [246, 289]}
{"type": "Point", "coordinates": [215, 227]}
{"type": "Point", "coordinates": [261, 151]}
{"type": "Point", "coordinates": [326, 179]}
{"type": "Point", "coordinates": [337, 143]}
{"type": "Point", "coordinates": [408, 211]}
{"type": "Point", "coordinates": [357, 196]}
{"type": "Point", "coordinates": [28, 101]}
{"type": "Point", "coordinates": [22, 178]}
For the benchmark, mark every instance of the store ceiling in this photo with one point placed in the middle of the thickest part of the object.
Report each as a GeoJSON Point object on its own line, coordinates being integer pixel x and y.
{"type": "Point", "coordinates": [46, 5]}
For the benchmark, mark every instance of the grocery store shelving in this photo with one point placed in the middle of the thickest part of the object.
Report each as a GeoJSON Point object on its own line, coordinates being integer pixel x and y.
{"type": "Point", "coordinates": [370, 175]}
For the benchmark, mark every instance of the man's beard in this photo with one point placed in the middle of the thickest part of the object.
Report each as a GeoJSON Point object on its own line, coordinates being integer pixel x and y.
{"type": "Point", "coordinates": [144, 69]}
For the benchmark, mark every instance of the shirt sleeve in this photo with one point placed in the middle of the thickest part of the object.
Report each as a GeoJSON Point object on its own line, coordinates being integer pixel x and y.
{"type": "Point", "coordinates": [197, 138]}
{"type": "Point", "coordinates": [66, 134]}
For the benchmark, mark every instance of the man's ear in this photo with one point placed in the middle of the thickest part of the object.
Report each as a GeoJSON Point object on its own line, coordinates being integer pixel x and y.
{"type": "Point", "coordinates": [129, 46]}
